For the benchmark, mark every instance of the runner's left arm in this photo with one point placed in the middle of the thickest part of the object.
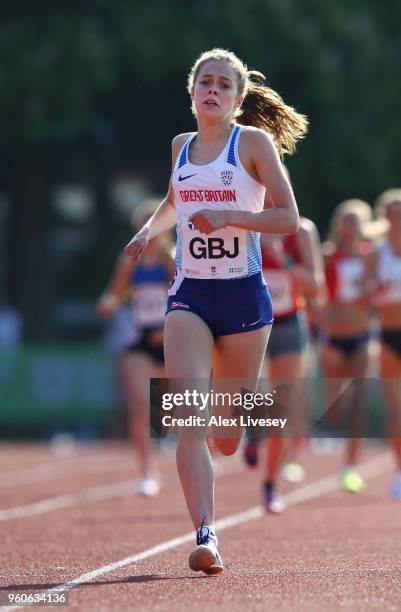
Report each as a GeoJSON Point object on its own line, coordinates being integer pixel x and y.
{"type": "Point", "coordinates": [282, 218]}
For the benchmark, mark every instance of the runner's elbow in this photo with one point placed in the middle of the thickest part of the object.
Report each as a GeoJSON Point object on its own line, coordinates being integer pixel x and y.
{"type": "Point", "coordinates": [292, 222]}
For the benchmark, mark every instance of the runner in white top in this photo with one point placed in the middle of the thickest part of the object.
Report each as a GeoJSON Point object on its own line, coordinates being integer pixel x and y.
{"type": "Point", "coordinates": [219, 310]}
{"type": "Point", "coordinates": [387, 301]}
{"type": "Point", "coordinates": [195, 188]}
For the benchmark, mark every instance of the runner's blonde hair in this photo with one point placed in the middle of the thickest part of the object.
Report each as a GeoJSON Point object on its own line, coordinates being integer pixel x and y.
{"type": "Point", "coordinates": [262, 106]}
{"type": "Point", "coordinates": [370, 228]}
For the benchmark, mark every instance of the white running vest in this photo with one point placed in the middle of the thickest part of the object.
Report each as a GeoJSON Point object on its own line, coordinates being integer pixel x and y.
{"type": "Point", "coordinates": [350, 272]}
{"type": "Point", "coordinates": [149, 304]}
{"type": "Point", "coordinates": [224, 184]}
{"type": "Point", "coordinates": [389, 273]}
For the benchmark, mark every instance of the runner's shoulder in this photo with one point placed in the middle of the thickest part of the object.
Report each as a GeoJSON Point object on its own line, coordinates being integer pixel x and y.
{"type": "Point", "coordinates": [179, 140]}
{"type": "Point", "coordinates": [307, 225]}
{"type": "Point", "coordinates": [329, 249]}
{"type": "Point", "coordinates": [254, 135]}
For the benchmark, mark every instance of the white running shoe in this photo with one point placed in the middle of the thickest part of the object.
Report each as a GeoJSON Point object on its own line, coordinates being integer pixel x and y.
{"type": "Point", "coordinates": [273, 502]}
{"type": "Point", "coordinates": [205, 557]}
{"type": "Point", "coordinates": [293, 472]}
{"type": "Point", "coordinates": [147, 486]}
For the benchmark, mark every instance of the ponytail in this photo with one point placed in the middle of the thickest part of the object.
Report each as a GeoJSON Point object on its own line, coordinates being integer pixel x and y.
{"type": "Point", "coordinates": [265, 109]}
{"type": "Point", "coordinates": [262, 106]}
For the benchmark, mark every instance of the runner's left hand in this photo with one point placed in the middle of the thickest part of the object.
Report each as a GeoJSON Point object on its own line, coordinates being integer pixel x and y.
{"type": "Point", "coordinates": [208, 221]}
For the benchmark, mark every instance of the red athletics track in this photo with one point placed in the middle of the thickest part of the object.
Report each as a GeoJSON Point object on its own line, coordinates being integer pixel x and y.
{"type": "Point", "coordinates": [74, 517]}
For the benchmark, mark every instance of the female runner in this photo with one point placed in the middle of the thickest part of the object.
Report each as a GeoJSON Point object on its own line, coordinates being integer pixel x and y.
{"type": "Point", "coordinates": [219, 311]}
{"type": "Point", "coordinates": [387, 302]}
{"type": "Point", "coordinates": [346, 351]}
{"type": "Point", "coordinates": [143, 358]}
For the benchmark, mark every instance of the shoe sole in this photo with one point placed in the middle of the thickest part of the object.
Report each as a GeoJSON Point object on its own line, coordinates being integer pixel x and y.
{"type": "Point", "coordinates": [148, 493]}
{"type": "Point", "coordinates": [292, 480]}
{"type": "Point", "coordinates": [275, 507]}
{"type": "Point", "coordinates": [274, 510]}
{"type": "Point", "coordinates": [202, 559]}
{"type": "Point", "coordinates": [353, 490]}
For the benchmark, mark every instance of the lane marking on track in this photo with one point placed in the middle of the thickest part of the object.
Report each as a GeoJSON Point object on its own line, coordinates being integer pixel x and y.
{"type": "Point", "coordinates": [46, 473]}
{"type": "Point", "coordinates": [119, 489]}
{"type": "Point", "coordinates": [124, 488]}
{"type": "Point", "coordinates": [54, 465]}
{"type": "Point", "coordinates": [369, 469]}
{"type": "Point", "coordinates": [327, 571]}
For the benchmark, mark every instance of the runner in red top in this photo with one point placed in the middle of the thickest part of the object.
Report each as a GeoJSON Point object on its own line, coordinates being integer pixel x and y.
{"type": "Point", "coordinates": [346, 350]}
{"type": "Point", "coordinates": [294, 269]}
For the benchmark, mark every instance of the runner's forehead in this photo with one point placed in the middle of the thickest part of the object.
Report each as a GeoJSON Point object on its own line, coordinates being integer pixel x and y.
{"type": "Point", "coordinates": [217, 68]}
{"type": "Point", "coordinates": [394, 206]}
{"type": "Point", "coordinates": [350, 216]}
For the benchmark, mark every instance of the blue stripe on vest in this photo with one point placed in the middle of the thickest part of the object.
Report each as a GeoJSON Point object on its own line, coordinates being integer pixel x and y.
{"type": "Point", "coordinates": [183, 156]}
{"type": "Point", "coordinates": [231, 155]}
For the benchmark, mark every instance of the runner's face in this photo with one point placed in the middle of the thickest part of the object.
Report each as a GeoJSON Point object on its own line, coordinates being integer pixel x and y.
{"type": "Point", "coordinates": [393, 214]}
{"type": "Point", "coordinates": [215, 91]}
{"type": "Point", "coordinates": [350, 226]}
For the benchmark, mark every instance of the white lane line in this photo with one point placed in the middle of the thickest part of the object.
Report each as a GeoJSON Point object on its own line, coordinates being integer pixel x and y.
{"type": "Point", "coordinates": [46, 473]}
{"type": "Point", "coordinates": [119, 489]}
{"type": "Point", "coordinates": [374, 467]}
{"type": "Point", "coordinates": [53, 464]}
{"type": "Point", "coordinates": [330, 571]}
{"type": "Point", "coordinates": [102, 492]}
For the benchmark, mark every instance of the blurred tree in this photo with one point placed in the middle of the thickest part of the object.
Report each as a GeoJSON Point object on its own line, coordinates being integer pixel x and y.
{"type": "Point", "coordinates": [104, 83]}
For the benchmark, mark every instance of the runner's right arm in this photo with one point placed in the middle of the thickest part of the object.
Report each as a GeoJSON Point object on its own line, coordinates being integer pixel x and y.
{"type": "Point", "coordinates": [310, 274]}
{"type": "Point", "coordinates": [117, 288]}
{"type": "Point", "coordinates": [164, 217]}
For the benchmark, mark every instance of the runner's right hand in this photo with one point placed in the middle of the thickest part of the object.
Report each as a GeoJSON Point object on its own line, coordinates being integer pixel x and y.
{"type": "Point", "coordinates": [106, 305]}
{"type": "Point", "coordinates": [137, 245]}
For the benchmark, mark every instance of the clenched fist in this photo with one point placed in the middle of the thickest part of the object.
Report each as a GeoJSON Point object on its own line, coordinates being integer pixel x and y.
{"type": "Point", "coordinates": [208, 221]}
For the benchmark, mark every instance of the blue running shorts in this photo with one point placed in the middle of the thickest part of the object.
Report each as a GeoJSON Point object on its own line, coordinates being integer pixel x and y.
{"type": "Point", "coordinates": [226, 306]}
